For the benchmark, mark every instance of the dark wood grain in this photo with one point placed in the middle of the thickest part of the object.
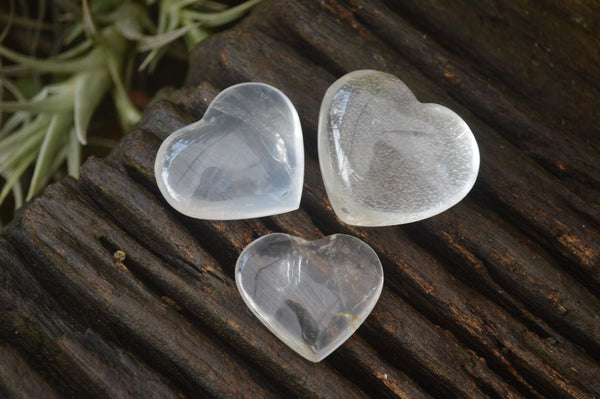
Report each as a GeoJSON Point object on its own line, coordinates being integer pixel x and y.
{"type": "Point", "coordinates": [497, 297]}
{"type": "Point", "coordinates": [496, 106]}
{"type": "Point", "coordinates": [516, 53]}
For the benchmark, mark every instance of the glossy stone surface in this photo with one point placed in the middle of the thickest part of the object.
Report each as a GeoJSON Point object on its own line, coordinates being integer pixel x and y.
{"type": "Point", "coordinates": [312, 295]}
{"type": "Point", "coordinates": [388, 159]}
{"type": "Point", "coordinates": [243, 159]}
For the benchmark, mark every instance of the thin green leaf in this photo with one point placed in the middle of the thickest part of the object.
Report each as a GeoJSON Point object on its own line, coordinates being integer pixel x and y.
{"type": "Point", "coordinates": [41, 13]}
{"type": "Point", "coordinates": [73, 155]}
{"type": "Point", "coordinates": [128, 69]}
{"type": "Point", "coordinates": [72, 34]}
{"type": "Point", "coordinates": [168, 21]}
{"type": "Point", "coordinates": [129, 29]}
{"type": "Point", "coordinates": [16, 119]}
{"type": "Point", "coordinates": [17, 194]}
{"type": "Point", "coordinates": [145, 20]}
{"type": "Point", "coordinates": [127, 112]}
{"type": "Point", "coordinates": [14, 158]}
{"type": "Point", "coordinates": [104, 6]}
{"type": "Point", "coordinates": [88, 20]}
{"type": "Point", "coordinates": [162, 17]}
{"type": "Point", "coordinates": [43, 93]}
{"type": "Point", "coordinates": [16, 70]}
{"type": "Point", "coordinates": [184, 3]}
{"type": "Point", "coordinates": [152, 42]}
{"type": "Point", "coordinates": [220, 18]}
{"type": "Point", "coordinates": [52, 98]}
{"type": "Point", "coordinates": [112, 49]}
{"type": "Point", "coordinates": [11, 124]}
{"type": "Point", "coordinates": [57, 103]}
{"type": "Point", "coordinates": [70, 6]}
{"type": "Point", "coordinates": [127, 11]}
{"type": "Point", "coordinates": [56, 164]}
{"type": "Point", "coordinates": [75, 50]}
{"type": "Point", "coordinates": [55, 137]}
{"type": "Point", "coordinates": [157, 43]}
{"type": "Point", "coordinates": [15, 175]}
{"type": "Point", "coordinates": [90, 88]}
{"type": "Point", "coordinates": [10, 18]}
{"type": "Point", "coordinates": [15, 139]}
{"type": "Point", "coordinates": [207, 5]}
{"type": "Point", "coordinates": [152, 57]}
{"type": "Point", "coordinates": [14, 90]}
{"type": "Point", "coordinates": [23, 22]}
{"type": "Point", "coordinates": [92, 60]}
{"type": "Point", "coordinates": [194, 36]}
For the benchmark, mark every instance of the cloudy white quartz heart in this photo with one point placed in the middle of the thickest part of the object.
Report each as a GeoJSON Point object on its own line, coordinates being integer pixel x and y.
{"type": "Point", "coordinates": [243, 159]}
{"type": "Point", "coordinates": [313, 295]}
{"type": "Point", "coordinates": [388, 159]}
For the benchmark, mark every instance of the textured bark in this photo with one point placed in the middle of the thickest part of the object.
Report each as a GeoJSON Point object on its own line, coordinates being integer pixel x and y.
{"type": "Point", "coordinates": [19, 380]}
{"type": "Point", "coordinates": [547, 63]}
{"type": "Point", "coordinates": [510, 116]}
{"type": "Point", "coordinates": [496, 297]}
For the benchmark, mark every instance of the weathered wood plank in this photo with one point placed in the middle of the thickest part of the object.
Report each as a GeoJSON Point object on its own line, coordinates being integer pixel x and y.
{"type": "Point", "coordinates": [521, 189]}
{"type": "Point", "coordinates": [519, 266]}
{"type": "Point", "coordinates": [202, 286]}
{"type": "Point", "coordinates": [535, 197]}
{"type": "Point", "coordinates": [311, 186]}
{"type": "Point", "coordinates": [567, 157]}
{"type": "Point", "coordinates": [446, 367]}
{"type": "Point", "coordinates": [499, 157]}
{"type": "Point", "coordinates": [106, 295]}
{"type": "Point", "coordinates": [425, 282]}
{"type": "Point", "coordinates": [18, 380]}
{"type": "Point", "coordinates": [229, 50]}
{"type": "Point", "coordinates": [574, 49]}
{"type": "Point", "coordinates": [497, 297]}
{"type": "Point", "coordinates": [508, 57]}
{"type": "Point", "coordinates": [582, 14]}
{"type": "Point", "coordinates": [80, 362]}
{"type": "Point", "coordinates": [223, 309]}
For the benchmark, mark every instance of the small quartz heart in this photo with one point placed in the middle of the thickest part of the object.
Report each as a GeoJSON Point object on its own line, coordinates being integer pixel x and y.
{"type": "Point", "coordinates": [312, 295]}
{"type": "Point", "coordinates": [388, 159]}
{"type": "Point", "coordinates": [243, 159]}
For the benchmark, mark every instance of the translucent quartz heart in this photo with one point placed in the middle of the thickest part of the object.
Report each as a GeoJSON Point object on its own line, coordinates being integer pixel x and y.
{"type": "Point", "coordinates": [313, 295]}
{"type": "Point", "coordinates": [243, 159]}
{"type": "Point", "coordinates": [388, 159]}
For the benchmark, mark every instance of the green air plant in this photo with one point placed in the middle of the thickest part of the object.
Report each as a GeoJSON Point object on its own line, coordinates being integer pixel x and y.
{"type": "Point", "coordinates": [48, 130]}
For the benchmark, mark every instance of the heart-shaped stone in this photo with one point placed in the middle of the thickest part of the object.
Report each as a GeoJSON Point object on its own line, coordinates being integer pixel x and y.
{"type": "Point", "coordinates": [312, 295]}
{"type": "Point", "coordinates": [243, 159]}
{"type": "Point", "coordinates": [388, 159]}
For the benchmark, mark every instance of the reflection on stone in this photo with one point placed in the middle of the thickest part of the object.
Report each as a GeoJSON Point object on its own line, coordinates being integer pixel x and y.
{"type": "Point", "coordinates": [387, 158]}
{"type": "Point", "coordinates": [312, 294]}
{"type": "Point", "coordinates": [243, 159]}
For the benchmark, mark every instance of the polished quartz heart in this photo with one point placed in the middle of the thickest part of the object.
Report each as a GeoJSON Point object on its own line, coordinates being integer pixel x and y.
{"type": "Point", "coordinates": [312, 295]}
{"type": "Point", "coordinates": [243, 159]}
{"type": "Point", "coordinates": [388, 159]}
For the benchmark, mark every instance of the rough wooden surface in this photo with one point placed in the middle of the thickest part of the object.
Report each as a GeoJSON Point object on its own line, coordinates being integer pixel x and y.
{"type": "Point", "coordinates": [497, 297]}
